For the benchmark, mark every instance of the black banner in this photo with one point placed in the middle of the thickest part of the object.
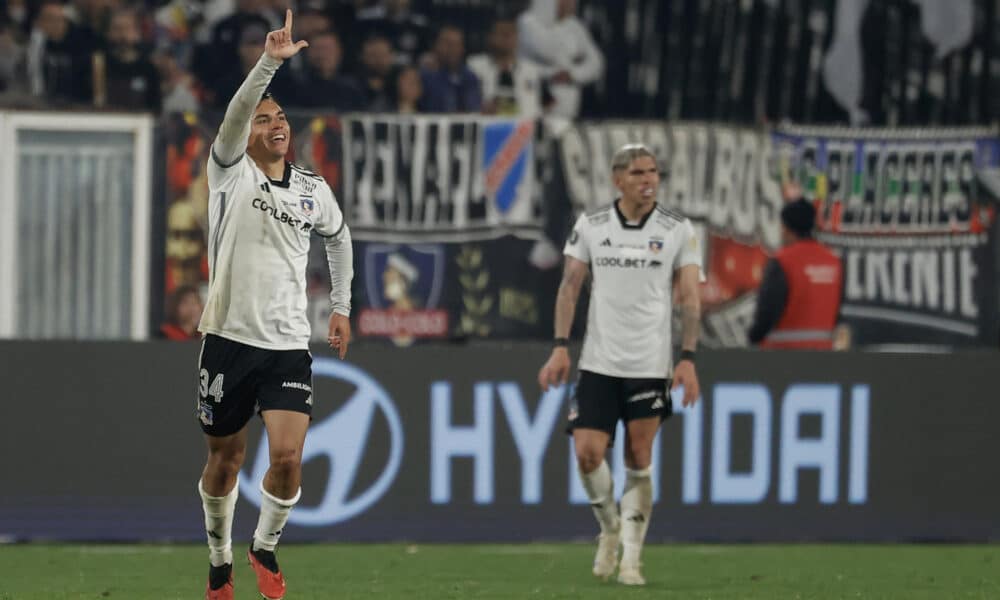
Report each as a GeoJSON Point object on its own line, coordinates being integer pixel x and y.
{"type": "Point", "coordinates": [405, 444]}
{"type": "Point", "coordinates": [913, 214]}
{"type": "Point", "coordinates": [486, 289]}
{"type": "Point", "coordinates": [441, 178]}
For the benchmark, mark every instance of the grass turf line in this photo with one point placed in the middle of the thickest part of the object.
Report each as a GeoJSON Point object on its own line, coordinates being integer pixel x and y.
{"type": "Point", "coordinates": [460, 572]}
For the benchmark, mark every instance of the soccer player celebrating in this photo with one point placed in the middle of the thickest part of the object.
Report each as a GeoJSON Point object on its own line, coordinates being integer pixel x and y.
{"type": "Point", "coordinates": [636, 251]}
{"type": "Point", "coordinates": [255, 355]}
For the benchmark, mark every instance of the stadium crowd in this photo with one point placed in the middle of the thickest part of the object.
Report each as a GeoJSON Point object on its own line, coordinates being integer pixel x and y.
{"type": "Point", "coordinates": [364, 55]}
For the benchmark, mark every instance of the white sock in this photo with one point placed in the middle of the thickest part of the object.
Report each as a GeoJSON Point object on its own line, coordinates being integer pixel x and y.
{"type": "Point", "coordinates": [273, 516]}
{"type": "Point", "coordinates": [637, 507]}
{"type": "Point", "coordinates": [219, 524]}
{"type": "Point", "coordinates": [601, 491]}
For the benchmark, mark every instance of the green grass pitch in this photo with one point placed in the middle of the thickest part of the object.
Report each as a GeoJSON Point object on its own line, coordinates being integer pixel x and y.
{"type": "Point", "coordinates": [391, 571]}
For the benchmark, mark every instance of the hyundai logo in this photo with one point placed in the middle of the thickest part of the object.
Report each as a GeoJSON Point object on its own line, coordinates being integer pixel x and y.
{"type": "Point", "coordinates": [342, 437]}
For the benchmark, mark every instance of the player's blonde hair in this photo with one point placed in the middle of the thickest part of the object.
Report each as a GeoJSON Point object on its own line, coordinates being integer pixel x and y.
{"type": "Point", "coordinates": [627, 153]}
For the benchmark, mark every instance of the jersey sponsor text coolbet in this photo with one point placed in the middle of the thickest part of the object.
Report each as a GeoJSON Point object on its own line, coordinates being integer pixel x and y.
{"type": "Point", "coordinates": [258, 244]}
{"type": "Point", "coordinates": [632, 267]}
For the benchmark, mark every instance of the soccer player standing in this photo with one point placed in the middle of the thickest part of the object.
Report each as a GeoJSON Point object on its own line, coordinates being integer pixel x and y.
{"type": "Point", "coordinates": [255, 356]}
{"type": "Point", "coordinates": [636, 252]}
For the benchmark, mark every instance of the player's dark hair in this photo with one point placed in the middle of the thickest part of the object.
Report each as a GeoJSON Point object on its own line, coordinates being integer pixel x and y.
{"type": "Point", "coordinates": [267, 95]}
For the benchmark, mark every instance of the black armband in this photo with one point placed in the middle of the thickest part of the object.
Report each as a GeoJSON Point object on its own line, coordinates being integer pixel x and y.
{"type": "Point", "coordinates": [560, 342]}
{"type": "Point", "coordinates": [686, 355]}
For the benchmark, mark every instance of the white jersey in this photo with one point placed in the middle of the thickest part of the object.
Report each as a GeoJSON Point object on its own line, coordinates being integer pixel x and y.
{"type": "Point", "coordinates": [258, 244]}
{"type": "Point", "coordinates": [632, 267]}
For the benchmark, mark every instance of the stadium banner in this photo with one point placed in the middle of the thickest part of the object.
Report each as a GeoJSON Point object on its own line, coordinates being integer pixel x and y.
{"type": "Point", "coordinates": [439, 178]}
{"type": "Point", "coordinates": [421, 292]}
{"type": "Point", "coordinates": [444, 442]}
{"type": "Point", "coordinates": [911, 212]}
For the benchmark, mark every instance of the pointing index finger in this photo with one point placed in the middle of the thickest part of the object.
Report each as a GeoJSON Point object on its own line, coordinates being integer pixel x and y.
{"type": "Point", "coordinates": [288, 20]}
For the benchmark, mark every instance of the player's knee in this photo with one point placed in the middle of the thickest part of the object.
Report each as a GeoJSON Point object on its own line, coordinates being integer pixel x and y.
{"type": "Point", "coordinates": [638, 453]}
{"type": "Point", "coordinates": [226, 461]}
{"type": "Point", "coordinates": [588, 458]}
{"type": "Point", "coordinates": [285, 461]}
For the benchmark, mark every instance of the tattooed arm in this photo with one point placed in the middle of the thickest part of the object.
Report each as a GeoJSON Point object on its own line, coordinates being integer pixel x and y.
{"type": "Point", "coordinates": [556, 369]}
{"type": "Point", "coordinates": [689, 302]}
{"type": "Point", "coordinates": [574, 274]}
{"type": "Point", "coordinates": [690, 306]}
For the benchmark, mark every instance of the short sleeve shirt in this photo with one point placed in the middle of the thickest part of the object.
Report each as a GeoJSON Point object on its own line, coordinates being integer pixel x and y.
{"type": "Point", "coordinates": [632, 267]}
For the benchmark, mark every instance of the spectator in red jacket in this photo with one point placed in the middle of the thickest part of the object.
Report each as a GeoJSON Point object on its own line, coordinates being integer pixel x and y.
{"type": "Point", "coordinates": [799, 297]}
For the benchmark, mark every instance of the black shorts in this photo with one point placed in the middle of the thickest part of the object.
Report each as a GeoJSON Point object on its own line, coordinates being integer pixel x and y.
{"type": "Point", "coordinates": [599, 401]}
{"type": "Point", "coordinates": [235, 380]}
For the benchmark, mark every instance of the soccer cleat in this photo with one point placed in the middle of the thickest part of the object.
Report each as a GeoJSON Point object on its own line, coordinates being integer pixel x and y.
{"type": "Point", "coordinates": [270, 583]}
{"type": "Point", "coordinates": [220, 583]}
{"type": "Point", "coordinates": [628, 574]}
{"type": "Point", "coordinates": [607, 555]}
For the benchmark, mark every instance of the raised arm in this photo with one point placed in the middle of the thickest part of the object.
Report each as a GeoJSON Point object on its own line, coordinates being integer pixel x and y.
{"type": "Point", "coordinates": [231, 142]}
